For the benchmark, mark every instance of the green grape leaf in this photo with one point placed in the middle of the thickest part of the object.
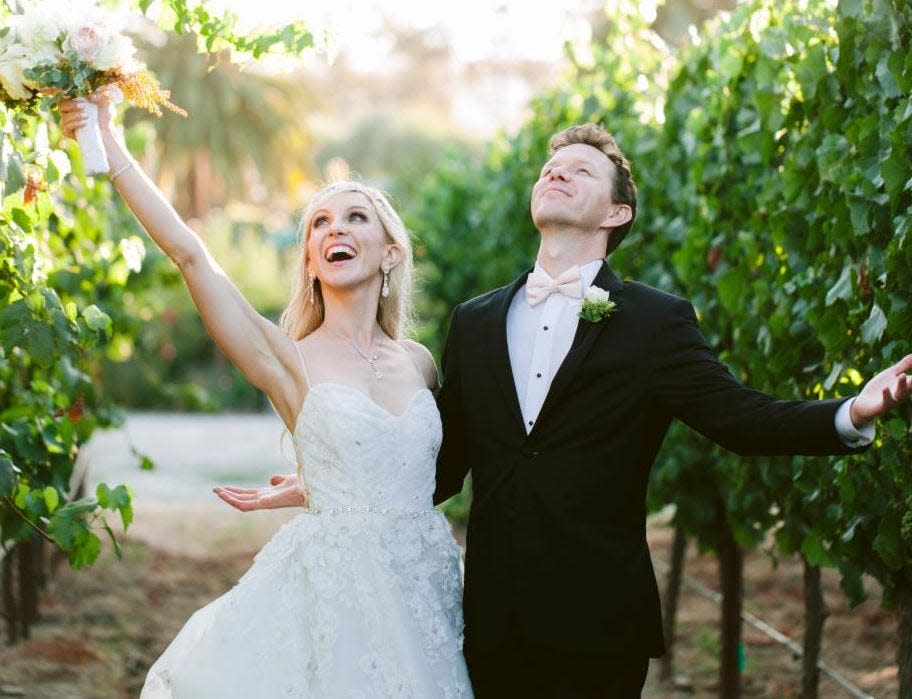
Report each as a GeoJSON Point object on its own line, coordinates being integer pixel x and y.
{"type": "Point", "coordinates": [85, 550]}
{"type": "Point", "coordinates": [873, 328]}
{"type": "Point", "coordinates": [98, 320]}
{"type": "Point", "coordinates": [103, 494]}
{"type": "Point", "coordinates": [842, 289]}
{"type": "Point", "coordinates": [51, 498]}
{"type": "Point", "coordinates": [8, 474]}
{"type": "Point", "coordinates": [888, 542]}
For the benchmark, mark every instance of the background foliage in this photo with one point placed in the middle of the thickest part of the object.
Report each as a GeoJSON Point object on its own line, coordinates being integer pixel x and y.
{"type": "Point", "coordinates": [773, 163]}
{"type": "Point", "coordinates": [772, 160]}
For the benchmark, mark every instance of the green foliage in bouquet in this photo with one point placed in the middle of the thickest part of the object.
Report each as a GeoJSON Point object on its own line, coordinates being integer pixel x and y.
{"type": "Point", "coordinates": [71, 77]}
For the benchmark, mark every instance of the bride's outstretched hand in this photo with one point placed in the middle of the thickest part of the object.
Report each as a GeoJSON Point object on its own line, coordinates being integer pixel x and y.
{"type": "Point", "coordinates": [283, 491]}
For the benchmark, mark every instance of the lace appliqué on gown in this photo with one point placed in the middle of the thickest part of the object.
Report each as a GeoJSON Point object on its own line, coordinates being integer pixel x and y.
{"type": "Point", "coordinates": [358, 597]}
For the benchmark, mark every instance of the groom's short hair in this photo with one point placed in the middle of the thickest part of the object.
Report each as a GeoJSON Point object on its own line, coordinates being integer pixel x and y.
{"type": "Point", "coordinates": [624, 191]}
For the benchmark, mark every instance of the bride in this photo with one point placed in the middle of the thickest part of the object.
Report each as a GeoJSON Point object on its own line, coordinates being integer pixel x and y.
{"type": "Point", "coordinates": [360, 594]}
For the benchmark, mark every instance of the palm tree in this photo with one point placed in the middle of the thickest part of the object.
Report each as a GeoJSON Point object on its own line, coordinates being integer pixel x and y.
{"type": "Point", "coordinates": [246, 130]}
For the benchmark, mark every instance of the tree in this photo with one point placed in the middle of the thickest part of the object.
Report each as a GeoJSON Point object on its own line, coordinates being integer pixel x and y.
{"type": "Point", "coordinates": [247, 130]}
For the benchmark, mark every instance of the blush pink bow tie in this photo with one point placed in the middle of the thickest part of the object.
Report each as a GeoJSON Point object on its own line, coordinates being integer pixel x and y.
{"type": "Point", "coordinates": [540, 286]}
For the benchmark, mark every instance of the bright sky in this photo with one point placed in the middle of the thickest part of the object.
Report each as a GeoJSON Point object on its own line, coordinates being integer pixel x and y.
{"type": "Point", "coordinates": [477, 29]}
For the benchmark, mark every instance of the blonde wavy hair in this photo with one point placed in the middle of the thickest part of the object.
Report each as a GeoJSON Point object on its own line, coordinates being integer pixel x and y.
{"type": "Point", "coordinates": [394, 312]}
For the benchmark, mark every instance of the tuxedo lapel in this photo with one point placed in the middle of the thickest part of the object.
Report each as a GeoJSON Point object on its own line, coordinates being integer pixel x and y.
{"type": "Point", "coordinates": [498, 351]}
{"type": "Point", "coordinates": [586, 335]}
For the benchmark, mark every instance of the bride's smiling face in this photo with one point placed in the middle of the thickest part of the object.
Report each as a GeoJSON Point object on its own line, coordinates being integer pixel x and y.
{"type": "Point", "coordinates": [347, 245]}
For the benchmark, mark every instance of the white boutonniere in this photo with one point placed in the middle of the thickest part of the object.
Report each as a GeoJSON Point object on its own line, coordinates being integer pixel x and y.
{"type": "Point", "coordinates": [596, 305]}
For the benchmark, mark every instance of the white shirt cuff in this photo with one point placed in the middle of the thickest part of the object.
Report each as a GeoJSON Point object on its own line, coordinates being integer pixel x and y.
{"type": "Point", "coordinates": [852, 436]}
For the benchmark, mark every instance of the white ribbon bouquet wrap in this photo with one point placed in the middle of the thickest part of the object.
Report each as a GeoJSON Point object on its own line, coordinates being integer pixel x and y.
{"type": "Point", "coordinates": [94, 159]}
{"type": "Point", "coordinates": [68, 49]}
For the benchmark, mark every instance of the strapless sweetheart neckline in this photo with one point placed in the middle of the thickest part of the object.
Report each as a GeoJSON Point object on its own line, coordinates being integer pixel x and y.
{"type": "Point", "coordinates": [324, 385]}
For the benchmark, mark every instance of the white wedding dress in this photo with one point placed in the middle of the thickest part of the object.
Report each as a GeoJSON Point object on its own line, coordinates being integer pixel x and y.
{"type": "Point", "coordinates": [358, 596]}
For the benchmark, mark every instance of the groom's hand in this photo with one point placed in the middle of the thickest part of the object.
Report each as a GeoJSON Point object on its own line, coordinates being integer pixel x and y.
{"type": "Point", "coordinates": [883, 392]}
{"type": "Point", "coordinates": [283, 491]}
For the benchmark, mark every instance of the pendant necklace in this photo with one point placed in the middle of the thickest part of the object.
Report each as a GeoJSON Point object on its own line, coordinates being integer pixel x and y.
{"type": "Point", "coordinates": [369, 358]}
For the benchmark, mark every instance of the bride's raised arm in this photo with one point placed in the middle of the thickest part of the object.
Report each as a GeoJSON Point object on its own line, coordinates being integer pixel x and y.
{"type": "Point", "coordinates": [258, 347]}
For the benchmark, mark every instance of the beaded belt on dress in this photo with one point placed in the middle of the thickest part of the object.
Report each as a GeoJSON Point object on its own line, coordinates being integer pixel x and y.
{"type": "Point", "coordinates": [371, 510]}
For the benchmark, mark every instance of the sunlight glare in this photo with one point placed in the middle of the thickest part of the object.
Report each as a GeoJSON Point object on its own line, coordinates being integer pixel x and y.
{"type": "Point", "coordinates": [477, 29]}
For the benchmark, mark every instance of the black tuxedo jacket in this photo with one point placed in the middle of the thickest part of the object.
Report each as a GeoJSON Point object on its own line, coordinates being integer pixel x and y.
{"type": "Point", "coordinates": [556, 551]}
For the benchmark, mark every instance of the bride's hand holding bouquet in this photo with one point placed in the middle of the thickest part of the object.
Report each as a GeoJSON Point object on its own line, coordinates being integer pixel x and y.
{"type": "Point", "coordinates": [96, 111]}
{"type": "Point", "coordinates": [66, 51]}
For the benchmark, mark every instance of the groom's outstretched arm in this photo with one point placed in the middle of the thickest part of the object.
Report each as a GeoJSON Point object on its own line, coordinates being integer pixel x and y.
{"type": "Point", "coordinates": [452, 461]}
{"type": "Point", "coordinates": [691, 384]}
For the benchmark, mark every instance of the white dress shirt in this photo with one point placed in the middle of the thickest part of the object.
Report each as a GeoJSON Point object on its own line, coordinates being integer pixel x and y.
{"type": "Point", "coordinates": [539, 338]}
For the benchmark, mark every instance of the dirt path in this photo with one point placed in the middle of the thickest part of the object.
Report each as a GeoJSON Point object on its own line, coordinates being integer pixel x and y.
{"type": "Point", "coordinates": [191, 453]}
{"type": "Point", "coordinates": [102, 628]}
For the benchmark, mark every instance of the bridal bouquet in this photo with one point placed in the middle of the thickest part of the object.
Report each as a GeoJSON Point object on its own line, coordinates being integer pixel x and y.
{"type": "Point", "coordinates": [66, 49]}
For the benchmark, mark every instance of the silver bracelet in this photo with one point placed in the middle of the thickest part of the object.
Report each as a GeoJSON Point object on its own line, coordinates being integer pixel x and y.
{"type": "Point", "coordinates": [121, 170]}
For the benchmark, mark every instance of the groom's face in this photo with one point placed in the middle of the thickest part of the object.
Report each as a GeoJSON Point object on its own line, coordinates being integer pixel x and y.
{"type": "Point", "coordinates": [574, 190]}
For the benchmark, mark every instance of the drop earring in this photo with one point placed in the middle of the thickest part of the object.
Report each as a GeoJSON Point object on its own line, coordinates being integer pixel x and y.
{"type": "Point", "coordinates": [385, 289]}
{"type": "Point", "coordinates": [311, 279]}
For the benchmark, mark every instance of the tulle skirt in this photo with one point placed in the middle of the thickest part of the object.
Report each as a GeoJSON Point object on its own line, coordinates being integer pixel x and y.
{"type": "Point", "coordinates": [338, 604]}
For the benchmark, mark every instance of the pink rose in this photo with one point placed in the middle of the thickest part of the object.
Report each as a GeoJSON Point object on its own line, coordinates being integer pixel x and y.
{"type": "Point", "coordinates": [86, 42]}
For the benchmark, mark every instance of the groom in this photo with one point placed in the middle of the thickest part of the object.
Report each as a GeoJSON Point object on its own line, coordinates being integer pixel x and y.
{"type": "Point", "coordinates": [559, 421]}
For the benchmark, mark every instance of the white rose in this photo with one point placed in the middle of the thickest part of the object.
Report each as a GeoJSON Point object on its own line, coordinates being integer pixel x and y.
{"type": "Point", "coordinates": [86, 42]}
{"type": "Point", "coordinates": [596, 294]}
{"type": "Point", "coordinates": [13, 62]}
{"type": "Point", "coordinates": [35, 28]}
{"type": "Point", "coordinates": [116, 52]}
{"type": "Point", "coordinates": [36, 32]}
{"type": "Point", "coordinates": [81, 13]}
{"type": "Point", "coordinates": [45, 20]}
{"type": "Point", "coordinates": [44, 54]}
